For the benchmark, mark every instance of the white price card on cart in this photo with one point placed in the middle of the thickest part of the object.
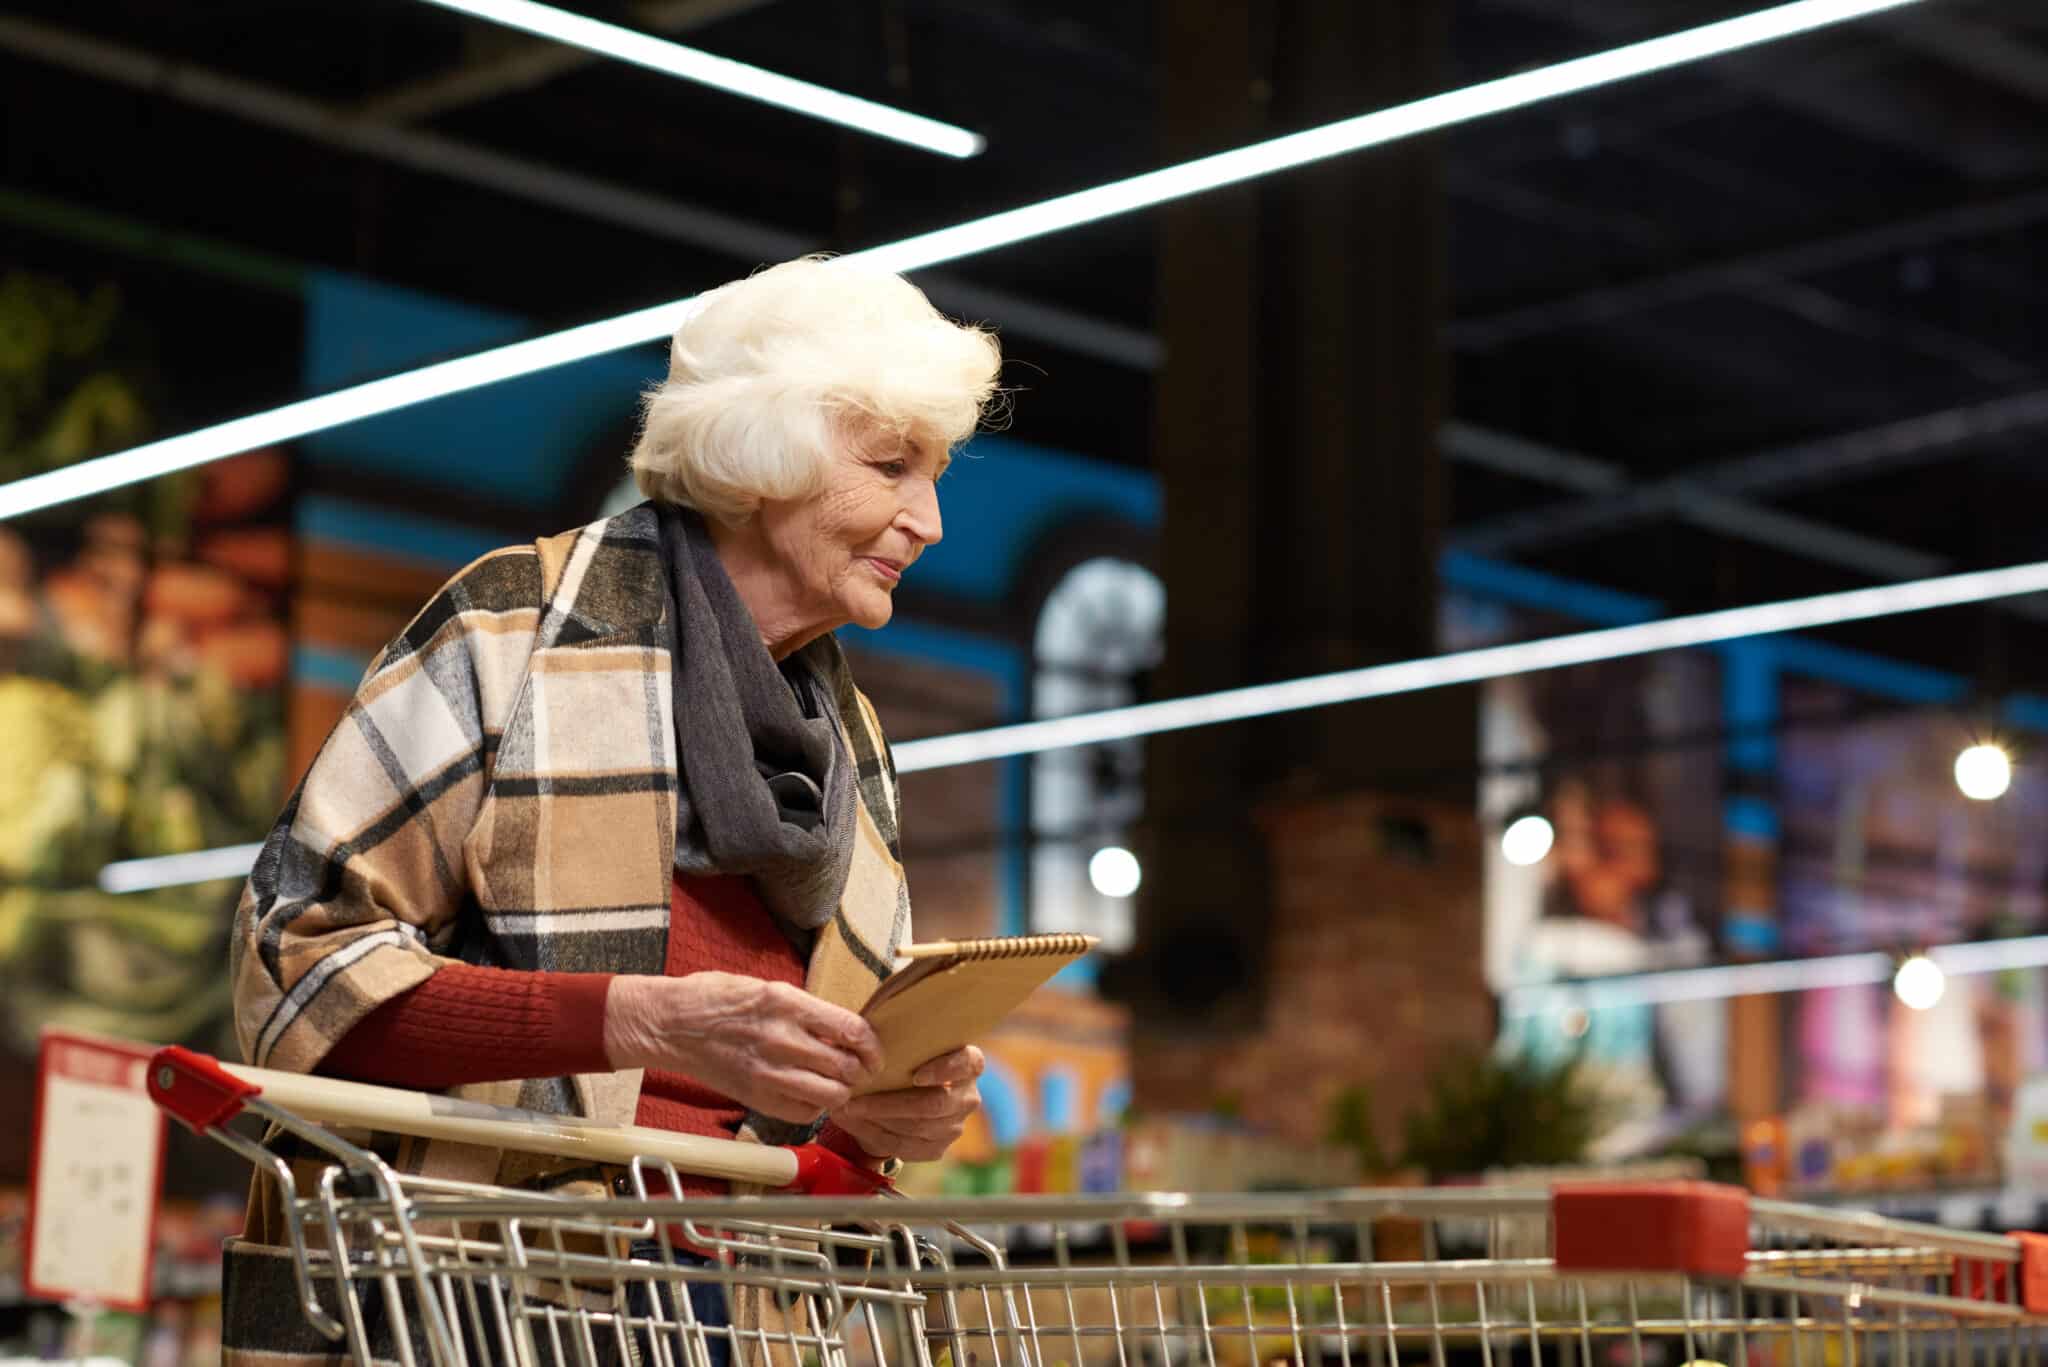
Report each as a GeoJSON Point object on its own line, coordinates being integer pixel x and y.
{"type": "Point", "coordinates": [94, 1173]}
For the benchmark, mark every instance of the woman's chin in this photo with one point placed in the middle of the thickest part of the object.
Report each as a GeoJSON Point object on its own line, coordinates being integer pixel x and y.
{"type": "Point", "coordinates": [874, 613]}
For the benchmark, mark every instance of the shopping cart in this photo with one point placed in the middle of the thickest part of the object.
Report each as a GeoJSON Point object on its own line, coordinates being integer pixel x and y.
{"type": "Point", "coordinates": [390, 1267]}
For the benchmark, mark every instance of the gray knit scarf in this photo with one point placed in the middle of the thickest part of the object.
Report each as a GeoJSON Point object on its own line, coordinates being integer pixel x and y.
{"type": "Point", "coordinates": [767, 789]}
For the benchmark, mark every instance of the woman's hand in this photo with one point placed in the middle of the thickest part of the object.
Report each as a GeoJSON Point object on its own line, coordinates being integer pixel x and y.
{"type": "Point", "coordinates": [771, 1047]}
{"type": "Point", "coordinates": [918, 1123]}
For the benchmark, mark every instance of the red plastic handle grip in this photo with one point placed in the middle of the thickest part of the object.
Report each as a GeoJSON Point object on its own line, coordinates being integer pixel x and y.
{"type": "Point", "coordinates": [1978, 1280]}
{"type": "Point", "coordinates": [821, 1172]}
{"type": "Point", "coordinates": [1701, 1228]}
{"type": "Point", "coordinates": [196, 1089]}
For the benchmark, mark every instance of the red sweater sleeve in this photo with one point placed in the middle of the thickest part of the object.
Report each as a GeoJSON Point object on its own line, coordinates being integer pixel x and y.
{"type": "Point", "coordinates": [847, 1147]}
{"type": "Point", "coordinates": [471, 1024]}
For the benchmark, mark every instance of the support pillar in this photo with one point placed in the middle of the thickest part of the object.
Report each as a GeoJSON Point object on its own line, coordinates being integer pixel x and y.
{"type": "Point", "coordinates": [1749, 836]}
{"type": "Point", "coordinates": [1296, 445]}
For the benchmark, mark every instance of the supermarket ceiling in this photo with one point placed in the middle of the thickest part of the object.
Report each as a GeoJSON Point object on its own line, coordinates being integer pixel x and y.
{"type": "Point", "coordinates": [1771, 325]}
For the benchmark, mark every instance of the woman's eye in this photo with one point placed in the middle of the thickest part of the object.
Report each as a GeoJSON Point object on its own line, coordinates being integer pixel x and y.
{"type": "Point", "coordinates": [894, 469]}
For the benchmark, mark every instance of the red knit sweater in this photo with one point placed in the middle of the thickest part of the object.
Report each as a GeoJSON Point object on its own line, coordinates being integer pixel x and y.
{"type": "Point", "coordinates": [469, 1024]}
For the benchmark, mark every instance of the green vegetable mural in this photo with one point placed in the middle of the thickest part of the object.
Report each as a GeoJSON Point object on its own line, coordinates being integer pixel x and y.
{"type": "Point", "coordinates": [142, 660]}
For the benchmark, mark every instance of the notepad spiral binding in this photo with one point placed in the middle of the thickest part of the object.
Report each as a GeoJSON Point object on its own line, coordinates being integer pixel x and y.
{"type": "Point", "coordinates": [1021, 946]}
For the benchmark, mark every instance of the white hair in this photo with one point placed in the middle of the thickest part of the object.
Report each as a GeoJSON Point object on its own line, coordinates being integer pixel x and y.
{"type": "Point", "coordinates": [767, 370]}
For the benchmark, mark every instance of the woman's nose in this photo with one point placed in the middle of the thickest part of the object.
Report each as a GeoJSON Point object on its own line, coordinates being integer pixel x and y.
{"type": "Point", "coordinates": [921, 514]}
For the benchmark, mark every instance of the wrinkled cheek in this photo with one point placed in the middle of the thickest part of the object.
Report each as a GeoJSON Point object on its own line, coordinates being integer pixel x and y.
{"type": "Point", "coordinates": [824, 578]}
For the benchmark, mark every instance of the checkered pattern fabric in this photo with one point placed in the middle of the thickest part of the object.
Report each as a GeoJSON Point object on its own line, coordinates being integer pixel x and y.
{"type": "Point", "coordinates": [502, 790]}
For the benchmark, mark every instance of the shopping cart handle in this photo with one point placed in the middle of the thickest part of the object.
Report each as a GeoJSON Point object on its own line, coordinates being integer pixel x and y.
{"type": "Point", "coordinates": [197, 1090]}
{"type": "Point", "coordinates": [204, 1095]}
{"type": "Point", "coordinates": [822, 1172]}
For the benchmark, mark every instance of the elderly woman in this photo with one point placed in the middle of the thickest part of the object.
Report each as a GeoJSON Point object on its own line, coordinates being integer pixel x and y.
{"type": "Point", "coordinates": [608, 830]}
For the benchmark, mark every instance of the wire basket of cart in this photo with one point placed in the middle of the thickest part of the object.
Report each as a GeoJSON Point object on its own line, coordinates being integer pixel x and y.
{"type": "Point", "coordinates": [828, 1267]}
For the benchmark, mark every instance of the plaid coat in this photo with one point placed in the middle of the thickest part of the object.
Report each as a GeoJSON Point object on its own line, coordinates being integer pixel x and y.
{"type": "Point", "coordinates": [502, 790]}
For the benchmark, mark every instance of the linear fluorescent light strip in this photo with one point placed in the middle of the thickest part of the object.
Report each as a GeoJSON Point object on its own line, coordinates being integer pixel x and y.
{"type": "Point", "coordinates": [171, 870]}
{"type": "Point", "coordinates": [722, 73]}
{"type": "Point", "coordinates": [1378, 681]}
{"type": "Point", "coordinates": [1750, 980]}
{"type": "Point", "coordinates": [1470, 666]}
{"type": "Point", "coordinates": [950, 244]}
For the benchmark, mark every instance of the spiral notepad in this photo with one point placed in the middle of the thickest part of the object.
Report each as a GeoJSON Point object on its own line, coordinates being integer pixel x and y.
{"type": "Point", "coordinates": [952, 992]}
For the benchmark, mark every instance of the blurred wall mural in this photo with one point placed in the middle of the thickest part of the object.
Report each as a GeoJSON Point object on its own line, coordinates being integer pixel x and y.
{"type": "Point", "coordinates": [1880, 851]}
{"type": "Point", "coordinates": [1760, 800]}
{"type": "Point", "coordinates": [142, 656]}
{"type": "Point", "coordinates": [1631, 883]}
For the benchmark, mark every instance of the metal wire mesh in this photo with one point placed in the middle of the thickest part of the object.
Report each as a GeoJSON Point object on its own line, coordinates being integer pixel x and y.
{"type": "Point", "coordinates": [1377, 1279]}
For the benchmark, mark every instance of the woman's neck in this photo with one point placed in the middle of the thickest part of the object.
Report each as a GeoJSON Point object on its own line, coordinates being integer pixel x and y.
{"type": "Point", "coordinates": [764, 586]}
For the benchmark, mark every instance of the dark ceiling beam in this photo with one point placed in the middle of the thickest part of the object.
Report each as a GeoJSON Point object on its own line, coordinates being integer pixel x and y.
{"type": "Point", "coordinates": [1723, 514]}
{"type": "Point", "coordinates": [1792, 80]}
{"type": "Point", "coordinates": [521, 63]}
{"type": "Point", "coordinates": [1802, 299]}
{"type": "Point", "coordinates": [1737, 273]}
{"type": "Point", "coordinates": [1717, 511]}
{"type": "Point", "coordinates": [1770, 473]}
{"type": "Point", "coordinates": [1016, 28]}
{"type": "Point", "coordinates": [1834, 313]}
{"type": "Point", "coordinates": [150, 242]}
{"type": "Point", "coordinates": [1752, 374]}
{"type": "Point", "coordinates": [432, 154]}
{"type": "Point", "coordinates": [1504, 453]}
{"type": "Point", "coordinates": [1968, 45]}
{"type": "Point", "coordinates": [1567, 133]}
{"type": "Point", "coordinates": [1480, 186]}
{"type": "Point", "coordinates": [414, 149]}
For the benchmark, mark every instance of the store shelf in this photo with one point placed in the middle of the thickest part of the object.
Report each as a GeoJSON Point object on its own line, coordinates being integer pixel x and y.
{"type": "Point", "coordinates": [1997, 1209]}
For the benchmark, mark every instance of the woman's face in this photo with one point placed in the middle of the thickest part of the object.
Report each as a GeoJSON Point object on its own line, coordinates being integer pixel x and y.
{"type": "Point", "coordinates": [843, 550]}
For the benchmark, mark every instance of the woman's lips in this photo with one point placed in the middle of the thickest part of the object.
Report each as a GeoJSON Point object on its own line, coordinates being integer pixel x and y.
{"type": "Point", "coordinates": [887, 570]}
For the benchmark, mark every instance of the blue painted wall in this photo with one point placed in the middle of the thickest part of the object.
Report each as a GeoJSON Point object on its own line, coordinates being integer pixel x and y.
{"type": "Point", "coordinates": [1002, 497]}
{"type": "Point", "coordinates": [513, 441]}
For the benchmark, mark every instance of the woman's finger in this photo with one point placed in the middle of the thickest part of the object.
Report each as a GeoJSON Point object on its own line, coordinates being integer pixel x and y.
{"type": "Point", "coordinates": [912, 1103]}
{"type": "Point", "coordinates": [911, 1142]}
{"type": "Point", "coordinates": [834, 1025]}
{"type": "Point", "coordinates": [790, 1044]}
{"type": "Point", "coordinates": [860, 1039]}
{"type": "Point", "coordinates": [798, 1096]}
{"type": "Point", "coordinates": [962, 1065]}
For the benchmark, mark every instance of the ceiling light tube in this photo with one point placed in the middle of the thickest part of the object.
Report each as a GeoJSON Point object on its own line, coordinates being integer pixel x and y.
{"type": "Point", "coordinates": [1699, 984]}
{"type": "Point", "coordinates": [1469, 666]}
{"type": "Point", "coordinates": [1746, 980]}
{"type": "Point", "coordinates": [175, 870]}
{"type": "Point", "coordinates": [337, 409]}
{"type": "Point", "coordinates": [1378, 681]}
{"type": "Point", "coordinates": [1376, 129]}
{"type": "Point", "coordinates": [949, 244]}
{"type": "Point", "coordinates": [723, 73]}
